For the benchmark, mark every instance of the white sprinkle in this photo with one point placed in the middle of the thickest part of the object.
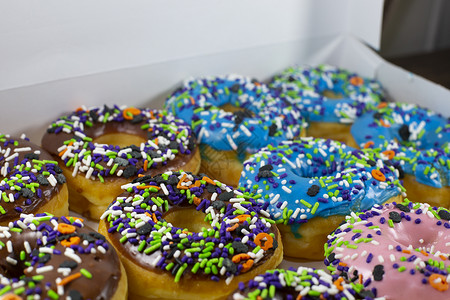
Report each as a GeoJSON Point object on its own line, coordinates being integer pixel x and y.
{"type": "Point", "coordinates": [44, 269]}
{"type": "Point", "coordinates": [286, 189]}
{"type": "Point", "coordinates": [11, 260]}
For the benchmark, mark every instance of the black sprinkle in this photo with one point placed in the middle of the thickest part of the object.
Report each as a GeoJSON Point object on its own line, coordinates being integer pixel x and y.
{"type": "Point", "coordinates": [51, 130]}
{"type": "Point", "coordinates": [331, 258]}
{"type": "Point", "coordinates": [265, 174]}
{"type": "Point", "coordinates": [137, 119]}
{"type": "Point", "coordinates": [267, 167]}
{"type": "Point", "coordinates": [275, 245]}
{"type": "Point", "coordinates": [395, 217]}
{"type": "Point", "coordinates": [153, 154]}
{"type": "Point", "coordinates": [443, 214]}
{"type": "Point", "coordinates": [377, 115]}
{"type": "Point", "coordinates": [31, 156]}
{"type": "Point", "coordinates": [87, 237]}
{"type": "Point", "coordinates": [404, 132]}
{"type": "Point", "coordinates": [218, 204]}
{"type": "Point", "coordinates": [69, 264]}
{"type": "Point", "coordinates": [229, 265]}
{"type": "Point", "coordinates": [192, 142]}
{"type": "Point", "coordinates": [26, 193]}
{"type": "Point", "coordinates": [378, 272]}
{"type": "Point", "coordinates": [97, 235]}
{"type": "Point", "coordinates": [211, 188]}
{"type": "Point", "coordinates": [136, 154]}
{"type": "Point", "coordinates": [172, 180]}
{"type": "Point", "coordinates": [60, 178]}
{"type": "Point", "coordinates": [239, 229]}
{"type": "Point", "coordinates": [272, 129]}
{"type": "Point", "coordinates": [145, 229]}
{"type": "Point", "coordinates": [313, 190]}
{"type": "Point", "coordinates": [234, 88]}
{"type": "Point", "coordinates": [367, 294]}
{"type": "Point", "coordinates": [403, 208]}
{"type": "Point", "coordinates": [239, 247]}
{"type": "Point", "coordinates": [121, 161]}
{"type": "Point", "coordinates": [240, 115]}
{"type": "Point", "coordinates": [42, 180]}
{"type": "Point", "coordinates": [291, 79]}
{"type": "Point", "coordinates": [173, 145]}
{"type": "Point", "coordinates": [75, 295]}
{"type": "Point", "coordinates": [93, 115]}
{"type": "Point", "coordinates": [57, 169]}
{"type": "Point", "coordinates": [401, 173]}
{"type": "Point", "coordinates": [226, 196]}
{"type": "Point", "coordinates": [146, 179]}
{"type": "Point", "coordinates": [371, 163]}
{"type": "Point", "coordinates": [129, 171]}
{"type": "Point", "coordinates": [44, 258]}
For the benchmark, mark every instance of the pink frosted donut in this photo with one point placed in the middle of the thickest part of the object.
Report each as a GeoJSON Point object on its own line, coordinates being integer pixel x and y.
{"type": "Point", "coordinates": [401, 251]}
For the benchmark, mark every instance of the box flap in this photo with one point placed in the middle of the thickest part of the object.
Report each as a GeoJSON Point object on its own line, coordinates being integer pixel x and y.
{"type": "Point", "coordinates": [55, 40]}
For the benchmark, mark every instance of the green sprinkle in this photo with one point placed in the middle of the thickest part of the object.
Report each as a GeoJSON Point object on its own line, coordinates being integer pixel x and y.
{"type": "Point", "coordinates": [85, 273]}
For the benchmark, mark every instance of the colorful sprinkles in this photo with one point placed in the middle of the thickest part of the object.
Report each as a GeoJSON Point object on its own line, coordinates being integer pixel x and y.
{"type": "Point", "coordinates": [306, 178]}
{"type": "Point", "coordinates": [307, 87]}
{"type": "Point", "coordinates": [28, 175]}
{"type": "Point", "coordinates": [37, 265]}
{"type": "Point", "coordinates": [302, 283]}
{"type": "Point", "coordinates": [395, 245]}
{"type": "Point", "coordinates": [418, 138]}
{"type": "Point", "coordinates": [260, 120]}
{"type": "Point", "coordinates": [167, 138]}
{"type": "Point", "coordinates": [240, 236]}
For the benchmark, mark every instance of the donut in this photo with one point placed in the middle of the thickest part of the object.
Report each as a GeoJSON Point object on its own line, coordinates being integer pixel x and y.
{"type": "Point", "coordinates": [103, 148]}
{"type": "Point", "coordinates": [329, 97]}
{"type": "Point", "coordinates": [46, 257]}
{"type": "Point", "coordinates": [182, 236]}
{"type": "Point", "coordinates": [31, 181]}
{"type": "Point", "coordinates": [301, 283]}
{"type": "Point", "coordinates": [417, 140]}
{"type": "Point", "coordinates": [233, 116]}
{"type": "Point", "coordinates": [309, 185]}
{"type": "Point", "coordinates": [400, 250]}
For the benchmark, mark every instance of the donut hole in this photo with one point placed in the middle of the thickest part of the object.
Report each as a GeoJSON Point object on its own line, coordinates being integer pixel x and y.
{"type": "Point", "coordinates": [330, 94]}
{"type": "Point", "coordinates": [119, 139]}
{"type": "Point", "coordinates": [228, 107]}
{"type": "Point", "coordinates": [187, 218]}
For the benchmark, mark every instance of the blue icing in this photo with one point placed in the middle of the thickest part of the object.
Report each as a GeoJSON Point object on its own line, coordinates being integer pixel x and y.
{"type": "Point", "coordinates": [305, 86]}
{"type": "Point", "coordinates": [419, 138]}
{"type": "Point", "coordinates": [317, 178]}
{"type": "Point", "coordinates": [262, 118]}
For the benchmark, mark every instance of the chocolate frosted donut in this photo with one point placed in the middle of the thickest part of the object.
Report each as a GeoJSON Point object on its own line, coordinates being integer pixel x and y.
{"type": "Point", "coordinates": [55, 258]}
{"type": "Point", "coordinates": [31, 181]}
{"type": "Point", "coordinates": [102, 148]}
{"type": "Point", "coordinates": [228, 238]}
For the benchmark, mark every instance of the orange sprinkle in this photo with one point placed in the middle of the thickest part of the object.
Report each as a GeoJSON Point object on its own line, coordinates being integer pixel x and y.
{"type": "Point", "coordinates": [143, 187]}
{"type": "Point", "coordinates": [208, 180]}
{"type": "Point", "coordinates": [73, 240]}
{"type": "Point", "coordinates": [156, 141]}
{"type": "Point", "coordinates": [238, 257]}
{"type": "Point", "coordinates": [440, 285]}
{"type": "Point", "coordinates": [247, 265]}
{"type": "Point", "coordinates": [378, 175]}
{"type": "Point", "coordinates": [242, 218]}
{"type": "Point", "coordinates": [192, 100]}
{"type": "Point", "coordinates": [368, 144]}
{"type": "Point", "coordinates": [382, 105]}
{"type": "Point", "coordinates": [342, 264]}
{"type": "Point", "coordinates": [79, 109]}
{"type": "Point", "coordinates": [154, 218]}
{"type": "Point", "coordinates": [129, 112]}
{"type": "Point", "coordinates": [406, 251]}
{"type": "Point", "coordinates": [141, 175]}
{"type": "Point", "coordinates": [66, 228]}
{"type": "Point", "coordinates": [443, 257]}
{"type": "Point", "coordinates": [356, 80]}
{"type": "Point", "coordinates": [232, 228]}
{"type": "Point", "coordinates": [197, 183]}
{"type": "Point", "coordinates": [389, 153]}
{"type": "Point", "coordinates": [256, 83]}
{"type": "Point", "coordinates": [423, 252]}
{"type": "Point", "coordinates": [197, 201]}
{"type": "Point", "coordinates": [338, 284]}
{"type": "Point", "coordinates": [64, 151]}
{"type": "Point", "coordinates": [11, 296]}
{"type": "Point", "coordinates": [267, 244]}
{"type": "Point", "coordinates": [145, 165]}
{"type": "Point", "coordinates": [384, 124]}
{"type": "Point", "coordinates": [299, 297]}
{"type": "Point", "coordinates": [179, 186]}
{"type": "Point", "coordinates": [147, 214]}
{"type": "Point", "coordinates": [259, 298]}
{"type": "Point", "coordinates": [360, 278]}
{"type": "Point", "coordinates": [69, 278]}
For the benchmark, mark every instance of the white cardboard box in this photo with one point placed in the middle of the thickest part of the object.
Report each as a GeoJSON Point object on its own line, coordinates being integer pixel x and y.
{"type": "Point", "coordinates": [56, 56]}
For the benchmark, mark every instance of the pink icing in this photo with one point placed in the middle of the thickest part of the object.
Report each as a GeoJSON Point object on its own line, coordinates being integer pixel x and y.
{"type": "Point", "coordinates": [431, 235]}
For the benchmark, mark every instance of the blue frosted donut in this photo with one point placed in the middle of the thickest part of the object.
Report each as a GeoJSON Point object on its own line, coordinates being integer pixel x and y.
{"type": "Point", "coordinates": [260, 120]}
{"type": "Point", "coordinates": [307, 86]}
{"type": "Point", "coordinates": [306, 181]}
{"type": "Point", "coordinates": [417, 140]}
